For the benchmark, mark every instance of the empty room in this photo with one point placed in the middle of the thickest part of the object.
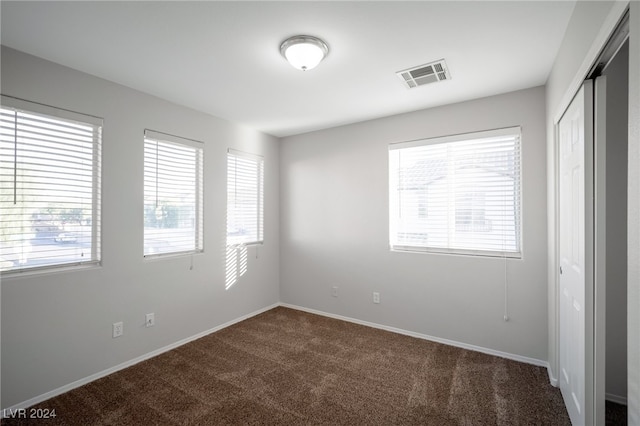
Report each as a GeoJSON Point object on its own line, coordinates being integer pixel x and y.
{"type": "Point", "coordinates": [320, 212]}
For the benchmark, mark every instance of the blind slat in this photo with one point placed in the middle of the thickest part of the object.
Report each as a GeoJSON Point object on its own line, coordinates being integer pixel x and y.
{"type": "Point", "coordinates": [458, 194]}
{"type": "Point", "coordinates": [245, 199]}
{"type": "Point", "coordinates": [172, 195]}
{"type": "Point", "coordinates": [50, 197]}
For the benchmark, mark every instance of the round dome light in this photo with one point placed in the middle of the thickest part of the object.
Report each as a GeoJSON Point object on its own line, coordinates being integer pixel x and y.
{"type": "Point", "coordinates": [304, 52]}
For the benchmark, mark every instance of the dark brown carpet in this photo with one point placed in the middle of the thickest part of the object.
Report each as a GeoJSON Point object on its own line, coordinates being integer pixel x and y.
{"type": "Point", "coordinates": [290, 367]}
{"type": "Point", "coordinates": [616, 414]}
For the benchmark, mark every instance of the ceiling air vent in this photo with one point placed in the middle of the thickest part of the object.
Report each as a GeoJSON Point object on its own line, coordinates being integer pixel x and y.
{"type": "Point", "coordinates": [424, 74]}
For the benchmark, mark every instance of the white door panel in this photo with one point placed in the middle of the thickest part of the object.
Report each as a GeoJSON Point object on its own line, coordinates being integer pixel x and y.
{"type": "Point", "coordinates": [574, 140]}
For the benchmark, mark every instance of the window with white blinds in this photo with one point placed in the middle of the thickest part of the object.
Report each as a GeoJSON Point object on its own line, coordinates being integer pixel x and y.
{"type": "Point", "coordinates": [49, 187]}
{"type": "Point", "coordinates": [245, 198]}
{"type": "Point", "coordinates": [457, 194]}
{"type": "Point", "coordinates": [173, 194]}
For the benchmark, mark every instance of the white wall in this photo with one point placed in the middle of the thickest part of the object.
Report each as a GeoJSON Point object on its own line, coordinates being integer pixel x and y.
{"type": "Point", "coordinates": [56, 327]}
{"type": "Point", "coordinates": [617, 120]}
{"type": "Point", "coordinates": [334, 231]}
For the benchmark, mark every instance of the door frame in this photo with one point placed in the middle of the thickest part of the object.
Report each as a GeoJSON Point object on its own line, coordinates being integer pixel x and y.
{"type": "Point", "coordinates": [594, 300]}
{"type": "Point", "coordinates": [600, 246]}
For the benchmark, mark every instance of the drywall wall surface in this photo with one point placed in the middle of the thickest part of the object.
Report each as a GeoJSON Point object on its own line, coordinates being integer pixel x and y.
{"type": "Point", "coordinates": [584, 26]}
{"type": "Point", "coordinates": [56, 327]}
{"type": "Point", "coordinates": [335, 221]}
{"type": "Point", "coordinates": [588, 30]}
{"type": "Point", "coordinates": [633, 243]}
{"type": "Point", "coordinates": [617, 128]}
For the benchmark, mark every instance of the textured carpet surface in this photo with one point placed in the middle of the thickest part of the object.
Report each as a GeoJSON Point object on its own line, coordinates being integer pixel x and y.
{"type": "Point", "coordinates": [290, 367]}
{"type": "Point", "coordinates": [616, 414]}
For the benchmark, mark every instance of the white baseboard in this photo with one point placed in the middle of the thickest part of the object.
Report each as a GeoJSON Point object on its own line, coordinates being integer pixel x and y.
{"type": "Point", "coordinates": [527, 360]}
{"type": "Point", "coordinates": [66, 388]}
{"type": "Point", "coordinates": [103, 373]}
{"type": "Point", "coordinates": [553, 380]}
{"type": "Point", "coordinates": [616, 398]}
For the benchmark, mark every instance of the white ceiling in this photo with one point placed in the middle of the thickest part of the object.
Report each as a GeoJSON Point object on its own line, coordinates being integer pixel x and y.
{"type": "Point", "coordinates": [223, 57]}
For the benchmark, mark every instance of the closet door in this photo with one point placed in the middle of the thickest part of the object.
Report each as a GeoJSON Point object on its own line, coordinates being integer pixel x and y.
{"type": "Point", "coordinates": [576, 254]}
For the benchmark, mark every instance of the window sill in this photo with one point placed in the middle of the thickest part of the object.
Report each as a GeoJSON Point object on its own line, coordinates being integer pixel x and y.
{"type": "Point", "coordinates": [49, 270]}
{"type": "Point", "coordinates": [466, 253]}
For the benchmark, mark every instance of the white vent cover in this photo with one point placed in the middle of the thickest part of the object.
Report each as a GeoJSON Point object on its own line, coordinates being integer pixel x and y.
{"type": "Point", "coordinates": [425, 74]}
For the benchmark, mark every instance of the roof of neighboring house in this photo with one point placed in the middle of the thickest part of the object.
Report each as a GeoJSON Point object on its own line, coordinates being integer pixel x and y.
{"type": "Point", "coordinates": [425, 172]}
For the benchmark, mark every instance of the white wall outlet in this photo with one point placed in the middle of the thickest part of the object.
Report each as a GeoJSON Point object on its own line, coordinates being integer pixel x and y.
{"type": "Point", "coordinates": [376, 297]}
{"type": "Point", "coordinates": [334, 291]}
{"type": "Point", "coordinates": [118, 329]}
{"type": "Point", "coordinates": [150, 320]}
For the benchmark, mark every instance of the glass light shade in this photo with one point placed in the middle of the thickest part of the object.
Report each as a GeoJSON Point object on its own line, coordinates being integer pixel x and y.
{"type": "Point", "coordinates": [304, 52]}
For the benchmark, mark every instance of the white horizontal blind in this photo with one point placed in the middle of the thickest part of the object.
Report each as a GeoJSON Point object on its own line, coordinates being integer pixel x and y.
{"type": "Point", "coordinates": [245, 198]}
{"type": "Point", "coordinates": [173, 194]}
{"type": "Point", "coordinates": [458, 194]}
{"type": "Point", "coordinates": [50, 187]}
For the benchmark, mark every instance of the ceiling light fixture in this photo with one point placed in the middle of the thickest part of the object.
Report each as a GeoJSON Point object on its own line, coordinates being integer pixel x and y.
{"type": "Point", "coordinates": [304, 52]}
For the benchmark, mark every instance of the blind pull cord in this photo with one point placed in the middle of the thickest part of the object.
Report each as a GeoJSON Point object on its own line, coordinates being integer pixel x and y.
{"type": "Point", "coordinates": [15, 158]}
{"type": "Point", "coordinates": [504, 255]}
{"type": "Point", "coordinates": [157, 172]}
{"type": "Point", "coordinates": [506, 292]}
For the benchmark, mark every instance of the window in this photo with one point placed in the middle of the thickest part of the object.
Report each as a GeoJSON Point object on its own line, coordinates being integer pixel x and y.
{"type": "Point", "coordinates": [245, 198]}
{"type": "Point", "coordinates": [470, 212]}
{"type": "Point", "coordinates": [50, 187]}
{"type": "Point", "coordinates": [457, 194]}
{"type": "Point", "coordinates": [173, 194]}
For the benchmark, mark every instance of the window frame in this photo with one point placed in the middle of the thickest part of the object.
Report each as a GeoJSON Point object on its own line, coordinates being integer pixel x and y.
{"type": "Point", "coordinates": [49, 112]}
{"type": "Point", "coordinates": [259, 214]}
{"type": "Point", "coordinates": [198, 146]}
{"type": "Point", "coordinates": [514, 132]}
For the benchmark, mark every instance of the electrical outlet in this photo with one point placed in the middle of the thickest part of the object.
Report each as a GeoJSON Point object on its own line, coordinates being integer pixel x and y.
{"type": "Point", "coordinates": [118, 329]}
{"type": "Point", "coordinates": [150, 320]}
{"type": "Point", "coordinates": [334, 291]}
{"type": "Point", "coordinates": [376, 297]}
